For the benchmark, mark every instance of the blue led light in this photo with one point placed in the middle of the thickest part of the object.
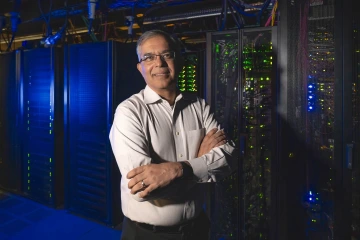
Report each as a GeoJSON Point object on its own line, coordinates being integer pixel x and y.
{"type": "Point", "coordinates": [311, 95]}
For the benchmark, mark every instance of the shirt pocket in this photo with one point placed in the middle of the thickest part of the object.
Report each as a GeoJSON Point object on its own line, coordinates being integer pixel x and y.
{"type": "Point", "coordinates": [194, 138]}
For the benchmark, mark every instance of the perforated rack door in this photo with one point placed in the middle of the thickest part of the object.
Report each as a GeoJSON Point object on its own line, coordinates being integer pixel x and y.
{"type": "Point", "coordinates": [41, 109]}
{"type": "Point", "coordinates": [89, 157]}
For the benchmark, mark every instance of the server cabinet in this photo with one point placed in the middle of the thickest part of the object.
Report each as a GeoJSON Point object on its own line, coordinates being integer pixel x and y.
{"type": "Point", "coordinates": [353, 146]}
{"type": "Point", "coordinates": [314, 157]}
{"type": "Point", "coordinates": [241, 81]}
{"type": "Point", "coordinates": [10, 170]}
{"type": "Point", "coordinates": [191, 77]}
{"type": "Point", "coordinates": [41, 119]}
{"type": "Point", "coordinates": [99, 77]}
{"type": "Point", "coordinates": [322, 101]}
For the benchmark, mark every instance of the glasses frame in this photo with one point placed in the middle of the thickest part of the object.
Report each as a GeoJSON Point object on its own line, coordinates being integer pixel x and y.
{"type": "Point", "coordinates": [143, 59]}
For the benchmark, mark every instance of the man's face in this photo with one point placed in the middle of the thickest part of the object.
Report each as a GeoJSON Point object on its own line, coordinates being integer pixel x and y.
{"type": "Point", "coordinates": [160, 74]}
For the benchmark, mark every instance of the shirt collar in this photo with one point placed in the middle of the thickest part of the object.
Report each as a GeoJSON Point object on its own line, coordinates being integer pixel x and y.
{"type": "Point", "coordinates": [150, 96]}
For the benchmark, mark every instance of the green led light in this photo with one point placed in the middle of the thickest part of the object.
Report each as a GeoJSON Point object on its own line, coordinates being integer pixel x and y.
{"type": "Point", "coordinates": [50, 159]}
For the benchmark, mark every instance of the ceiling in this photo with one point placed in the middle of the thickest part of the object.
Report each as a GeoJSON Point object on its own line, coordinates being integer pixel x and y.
{"type": "Point", "coordinates": [190, 19]}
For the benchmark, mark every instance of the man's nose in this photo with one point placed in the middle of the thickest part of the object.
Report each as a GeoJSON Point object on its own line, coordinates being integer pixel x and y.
{"type": "Point", "coordinates": [159, 60]}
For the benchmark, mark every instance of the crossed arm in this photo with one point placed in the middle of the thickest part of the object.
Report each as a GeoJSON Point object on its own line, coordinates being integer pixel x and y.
{"type": "Point", "coordinates": [157, 176]}
{"type": "Point", "coordinates": [131, 147]}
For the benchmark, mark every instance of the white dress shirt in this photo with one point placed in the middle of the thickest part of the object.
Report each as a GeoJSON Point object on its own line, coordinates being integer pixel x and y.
{"type": "Point", "coordinates": [146, 129]}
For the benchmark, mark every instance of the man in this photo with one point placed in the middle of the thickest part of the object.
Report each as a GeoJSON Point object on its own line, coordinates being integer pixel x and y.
{"type": "Point", "coordinates": [158, 139]}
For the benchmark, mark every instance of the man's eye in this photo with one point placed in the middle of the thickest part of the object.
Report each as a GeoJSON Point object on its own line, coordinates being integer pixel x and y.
{"type": "Point", "coordinates": [148, 58]}
{"type": "Point", "coordinates": [166, 55]}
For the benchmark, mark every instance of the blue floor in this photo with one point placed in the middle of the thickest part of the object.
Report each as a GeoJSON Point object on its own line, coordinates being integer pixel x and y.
{"type": "Point", "coordinates": [24, 219]}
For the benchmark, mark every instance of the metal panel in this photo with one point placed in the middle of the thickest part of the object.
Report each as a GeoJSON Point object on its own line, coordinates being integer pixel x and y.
{"type": "Point", "coordinates": [100, 76]}
{"type": "Point", "coordinates": [353, 157]}
{"type": "Point", "coordinates": [9, 159]}
{"type": "Point", "coordinates": [87, 130]}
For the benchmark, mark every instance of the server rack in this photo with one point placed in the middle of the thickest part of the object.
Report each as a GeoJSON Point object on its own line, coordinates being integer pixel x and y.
{"type": "Point", "coordinates": [99, 77]}
{"type": "Point", "coordinates": [191, 76]}
{"type": "Point", "coordinates": [241, 87]}
{"type": "Point", "coordinates": [41, 120]}
{"type": "Point", "coordinates": [10, 168]}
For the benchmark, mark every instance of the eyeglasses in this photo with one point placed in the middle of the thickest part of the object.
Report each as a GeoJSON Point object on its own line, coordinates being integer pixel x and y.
{"type": "Point", "coordinates": [148, 58]}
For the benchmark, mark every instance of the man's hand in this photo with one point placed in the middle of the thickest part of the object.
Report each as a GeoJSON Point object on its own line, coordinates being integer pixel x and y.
{"type": "Point", "coordinates": [153, 176]}
{"type": "Point", "coordinates": [214, 138]}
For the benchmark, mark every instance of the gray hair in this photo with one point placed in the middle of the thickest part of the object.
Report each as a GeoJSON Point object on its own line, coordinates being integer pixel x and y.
{"type": "Point", "coordinates": [174, 44]}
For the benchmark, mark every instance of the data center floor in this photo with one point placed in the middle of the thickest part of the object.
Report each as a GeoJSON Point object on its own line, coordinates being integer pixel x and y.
{"type": "Point", "coordinates": [21, 218]}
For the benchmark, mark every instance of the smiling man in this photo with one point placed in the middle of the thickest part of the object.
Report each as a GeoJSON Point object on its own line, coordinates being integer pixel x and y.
{"type": "Point", "coordinates": [167, 145]}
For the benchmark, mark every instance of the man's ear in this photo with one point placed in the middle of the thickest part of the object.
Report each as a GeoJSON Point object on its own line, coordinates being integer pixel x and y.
{"type": "Point", "coordinates": [138, 66]}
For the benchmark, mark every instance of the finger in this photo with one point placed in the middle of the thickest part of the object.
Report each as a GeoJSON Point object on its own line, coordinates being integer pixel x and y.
{"type": "Point", "coordinates": [208, 136]}
{"type": "Point", "coordinates": [136, 179]}
{"type": "Point", "coordinates": [136, 188]}
{"type": "Point", "coordinates": [210, 133]}
{"type": "Point", "coordinates": [135, 172]}
{"type": "Point", "coordinates": [219, 133]}
{"type": "Point", "coordinates": [215, 141]}
{"type": "Point", "coordinates": [148, 190]}
{"type": "Point", "coordinates": [221, 143]}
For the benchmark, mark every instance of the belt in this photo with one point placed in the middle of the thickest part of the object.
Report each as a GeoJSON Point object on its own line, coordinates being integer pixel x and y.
{"type": "Point", "coordinates": [168, 229]}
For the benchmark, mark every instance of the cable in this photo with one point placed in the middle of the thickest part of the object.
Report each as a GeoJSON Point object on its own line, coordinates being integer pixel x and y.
{"type": "Point", "coordinates": [11, 41]}
{"type": "Point", "coordinates": [223, 15]}
{"type": "Point", "coordinates": [273, 15]}
{"type": "Point", "coordinates": [52, 39]}
{"type": "Point", "coordinates": [237, 18]}
{"type": "Point", "coordinates": [265, 5]}
{"type": "Point", "coordinates": [47, 21]}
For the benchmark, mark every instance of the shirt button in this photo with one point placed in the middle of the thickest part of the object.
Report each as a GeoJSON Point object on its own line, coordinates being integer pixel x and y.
{"type": "Point", "coordinates": [180, 155]}
{"type": "Point", "coordinates": [177, 133]}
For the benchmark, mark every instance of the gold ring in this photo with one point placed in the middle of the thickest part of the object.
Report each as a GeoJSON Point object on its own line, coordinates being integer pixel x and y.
{"type": "Point", "coordinates": [143, 184]}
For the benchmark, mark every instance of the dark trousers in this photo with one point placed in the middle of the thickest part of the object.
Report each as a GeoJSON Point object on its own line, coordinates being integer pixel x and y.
{"type": "Point", "coordinates": [197, 229]}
